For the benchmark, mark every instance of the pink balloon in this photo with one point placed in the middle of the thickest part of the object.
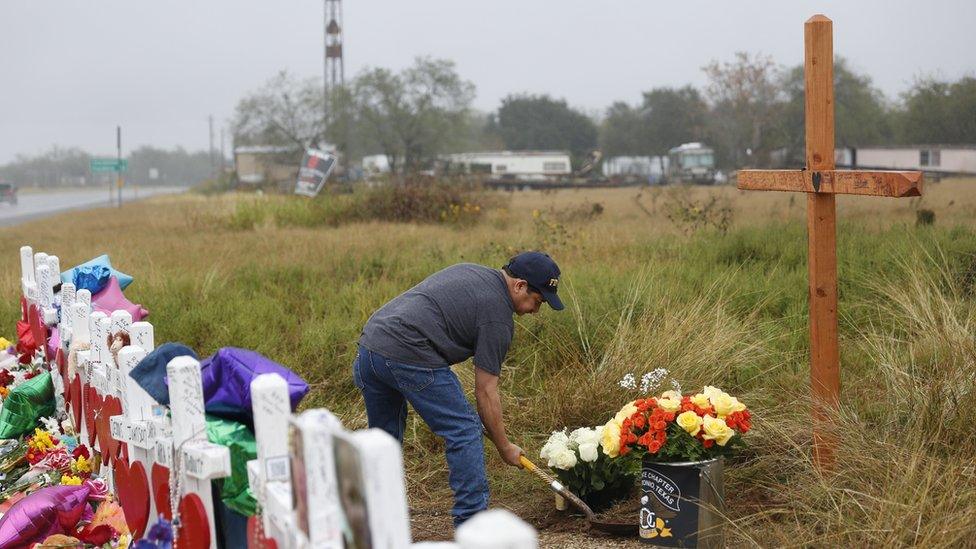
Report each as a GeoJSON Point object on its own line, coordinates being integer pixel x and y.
{"type": "Point", "coordinates": [112, 299]}
{"type": "Point", "coordinates": [46, 512]}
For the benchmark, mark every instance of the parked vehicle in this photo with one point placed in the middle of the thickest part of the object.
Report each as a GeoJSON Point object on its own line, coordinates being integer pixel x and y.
{"type": "Point", "coordinates": [8, 193]}
{"type": "Point", "coordinates": [691, 163]}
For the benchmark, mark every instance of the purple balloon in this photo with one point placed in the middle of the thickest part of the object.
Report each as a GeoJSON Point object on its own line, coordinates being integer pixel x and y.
{"type": "Point", "coordinates": [227, 377]}
{"type": "Point", "coordinates": [46, 512]}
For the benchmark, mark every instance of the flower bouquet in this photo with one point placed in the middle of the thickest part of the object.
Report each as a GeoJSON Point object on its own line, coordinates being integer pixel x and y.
{"type": "Point", "coordinates": [678, 441]}
{"type": "Point", "coordinates": [581, 464]}
{"type": "Point", "coordinates": [676, 428]}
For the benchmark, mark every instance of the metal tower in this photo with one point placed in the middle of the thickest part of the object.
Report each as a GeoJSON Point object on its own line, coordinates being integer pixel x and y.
{"type": "Point", "coordinates": [334, 69]}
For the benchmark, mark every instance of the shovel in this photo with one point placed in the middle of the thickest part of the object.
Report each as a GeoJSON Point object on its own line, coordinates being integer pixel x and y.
{"type": "Point", "coordinates": [611, 527]}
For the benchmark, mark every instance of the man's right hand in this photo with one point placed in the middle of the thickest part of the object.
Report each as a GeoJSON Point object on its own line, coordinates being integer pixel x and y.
{"type": "Point", "coordinates": [511, 454]}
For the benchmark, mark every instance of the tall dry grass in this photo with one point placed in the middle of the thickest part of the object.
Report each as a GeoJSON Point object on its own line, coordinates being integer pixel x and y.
{"type": "Point", "coordinates": [722, 308]}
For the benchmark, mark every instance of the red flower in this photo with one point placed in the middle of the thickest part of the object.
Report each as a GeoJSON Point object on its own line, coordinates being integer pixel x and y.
{"type": "Point", "coordinates": [5, 378]}
{"type": "Point", "coordinates": [708, 443]}
{"type": "Point", "coordinates": [654, 446]}
{"type": "Point", "coordinates": [31, 374]}
{"type": "Point", "coordinates": [81, 450]}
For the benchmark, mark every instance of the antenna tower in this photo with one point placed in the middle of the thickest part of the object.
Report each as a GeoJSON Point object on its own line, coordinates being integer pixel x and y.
{"type": "Point", "coordinates": [334, 69]}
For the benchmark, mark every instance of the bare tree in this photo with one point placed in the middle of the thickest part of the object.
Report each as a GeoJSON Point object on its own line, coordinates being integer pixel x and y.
{"type": "Point", "coordinates": [745, 101]}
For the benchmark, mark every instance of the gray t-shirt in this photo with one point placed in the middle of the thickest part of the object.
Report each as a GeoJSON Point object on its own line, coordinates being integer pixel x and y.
{"type": "Point", "coordinates": [460, 312]}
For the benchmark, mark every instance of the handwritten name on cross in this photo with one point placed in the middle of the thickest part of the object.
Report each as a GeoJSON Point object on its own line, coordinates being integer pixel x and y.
{"type": "Point", "coordinates": [821, 182]}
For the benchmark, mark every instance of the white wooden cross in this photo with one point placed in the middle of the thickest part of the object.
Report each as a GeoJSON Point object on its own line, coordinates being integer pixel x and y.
{"type": "Point", "coordinates": [197, 460]}
{"type": "Point", "coordinates": [306, 477]}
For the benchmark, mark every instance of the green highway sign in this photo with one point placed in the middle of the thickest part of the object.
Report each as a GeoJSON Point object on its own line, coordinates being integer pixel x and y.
{"type": "Point", "coordinates": [108, 165]}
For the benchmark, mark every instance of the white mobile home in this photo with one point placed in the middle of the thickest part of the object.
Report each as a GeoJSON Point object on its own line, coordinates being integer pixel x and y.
{"type": "Point", "coordinates": [521, 165]}
{"type": "Point", "coordinates": [946, 159]}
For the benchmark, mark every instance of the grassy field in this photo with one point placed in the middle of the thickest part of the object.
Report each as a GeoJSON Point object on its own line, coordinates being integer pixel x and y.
{"type": "Point", "coordinates": [708, 283]}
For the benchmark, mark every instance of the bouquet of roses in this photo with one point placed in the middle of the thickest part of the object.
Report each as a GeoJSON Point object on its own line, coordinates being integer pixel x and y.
{"type": "Point", "coordinates": [582, 465]}
{"type": "Point", "coordinates": [674, 428]}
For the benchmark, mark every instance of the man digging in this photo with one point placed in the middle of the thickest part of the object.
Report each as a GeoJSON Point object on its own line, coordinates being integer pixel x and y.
{"type": "Point", "coordinates": [408, 345]}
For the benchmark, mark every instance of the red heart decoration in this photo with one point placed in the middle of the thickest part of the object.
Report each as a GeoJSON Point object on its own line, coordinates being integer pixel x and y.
{"type": "Point", "coordinates": [195, 532]}
{"type": "Point", "coordinates": [92, 403]}
{"type": "Point", "coordinates": [106, 447]}
{"type": "Point", "coordinates": [63, 372]}
{"type": "Point", "coordinates": [76, 404]}
{"type": "Point", "coordinates": [255, 539]}
{"type": "Point", "coordinates": [112, 407]}
{"type": "Point", "coordinates": [132, 490]}
{"type": "Point", "coordinates": [160, 484]}
{"type": "Point", "coordinates": [38, 329]}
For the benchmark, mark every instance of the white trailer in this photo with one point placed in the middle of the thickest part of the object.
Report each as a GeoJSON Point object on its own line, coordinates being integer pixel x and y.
{"type": "Point", "coordinates": [942, 159]}
{"type": "Point", "coordinates": [518, 165]}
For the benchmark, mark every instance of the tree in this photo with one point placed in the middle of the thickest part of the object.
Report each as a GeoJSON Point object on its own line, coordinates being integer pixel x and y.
{"type": "Point", "coordinates": [672, 117]}
{"type": "Point", "coordinates": [745, 107]}
{"type": "Point", "coordinates": [623, 132]}
{"type": "Point", "coordinates": [538, 122]}
{"type": "Point", "coordinates": [285, 112]}
{"type": "Point", "coordinates": [56, 166]}
{"type": "Point", "coordinates": [861, 116]}
{"type": "Point", "coordinates": [939, 112]}
{"type": "Point", "coordinates": [415, 114]}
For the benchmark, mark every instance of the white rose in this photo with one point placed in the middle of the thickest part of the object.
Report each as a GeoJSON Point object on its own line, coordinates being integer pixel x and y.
{"type": "Point", "coordinates": [588, 452]}
{"type": "Point", "coordinates": [564, 459]}
{"type": "Point", "coordinates": [558, 441]}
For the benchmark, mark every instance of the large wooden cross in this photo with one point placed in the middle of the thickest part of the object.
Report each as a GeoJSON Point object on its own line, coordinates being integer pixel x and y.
{"type": "Point", "coordinates": [821, 182]}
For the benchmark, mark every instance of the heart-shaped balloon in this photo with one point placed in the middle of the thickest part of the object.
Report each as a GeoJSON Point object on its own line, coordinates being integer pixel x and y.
{"type": "Point", "coordinates": [76, 404]}
{"type": "Point", "coordinates": [255, 535]}
{"type": "Point", "coordinates": [132, 490]}
{"type": "Point", "coordinates": [195, 529]}
{"type": "Point", "coordinates": [92, 403]}
{"type": "Point", "coordinates": [160, 486]}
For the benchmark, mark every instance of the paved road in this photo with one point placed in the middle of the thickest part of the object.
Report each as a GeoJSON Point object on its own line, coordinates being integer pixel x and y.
{"type": "Point", "coordinates": [40, 204]}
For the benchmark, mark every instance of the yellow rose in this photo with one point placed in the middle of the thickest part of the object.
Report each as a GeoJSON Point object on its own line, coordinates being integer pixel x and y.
{"type": "Point", "coordinates": [717, 430]}
{"type": "Point", "coordinates": [673, 395]}
{"type": "Point", "coordinates": [611, 439]}
{"type": "Point", "coordinates": [723, 404]}
{"type": "Point", "coordinates": [700, 400]}
{"type": "Point", "coordinates": [625, 412]}
{"type": "Point", "coordinates": [689, 421]}
{"type": "Point", "coordinates": [669, 404]}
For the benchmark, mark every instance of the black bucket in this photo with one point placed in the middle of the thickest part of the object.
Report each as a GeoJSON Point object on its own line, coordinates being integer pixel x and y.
{"type": "Point", "coordinates": [682, 504]}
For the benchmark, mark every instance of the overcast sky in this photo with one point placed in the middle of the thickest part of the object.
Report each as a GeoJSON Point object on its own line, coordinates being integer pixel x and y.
{"type": "Point", "coordinates": [71, 71]}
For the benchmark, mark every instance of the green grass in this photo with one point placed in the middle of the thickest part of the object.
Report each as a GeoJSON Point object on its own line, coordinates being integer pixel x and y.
{"type": "Point", "coordinates": [296, 280]}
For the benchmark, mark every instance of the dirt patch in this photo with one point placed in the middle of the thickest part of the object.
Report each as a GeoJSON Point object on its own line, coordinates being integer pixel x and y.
{"type": "Point", "coordinates": [556, 528]}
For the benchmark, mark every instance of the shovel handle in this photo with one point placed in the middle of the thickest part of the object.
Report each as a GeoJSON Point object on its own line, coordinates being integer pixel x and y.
{"type": "Point", "coordinates": [557, 487]}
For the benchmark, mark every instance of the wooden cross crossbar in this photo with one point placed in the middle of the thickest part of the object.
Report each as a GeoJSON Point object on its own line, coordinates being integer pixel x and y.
{"type": "Point", "coordinates": [821, 182]}
{"type": "Point", "coordinates": [870, 183]}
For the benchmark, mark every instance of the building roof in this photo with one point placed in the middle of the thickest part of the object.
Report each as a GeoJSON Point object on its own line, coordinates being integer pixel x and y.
{"type": "Point", "coordinates": [963, 146]}
{"type": "Point", "coordinates": [265, 149]}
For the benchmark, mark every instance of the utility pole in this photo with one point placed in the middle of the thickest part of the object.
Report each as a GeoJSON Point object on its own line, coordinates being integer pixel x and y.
{"type": "Point", "coordinates": [118, 145]}
{"type": "Point", "coordinates": [212, 169]}
{"type": "Point", "coordinates": [223, 158]}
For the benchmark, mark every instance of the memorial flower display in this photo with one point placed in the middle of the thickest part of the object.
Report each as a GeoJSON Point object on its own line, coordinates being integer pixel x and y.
{"type": "Point", "coordinates": [672, 427]}
{"type": "Point", "coordinates": [580, 463]}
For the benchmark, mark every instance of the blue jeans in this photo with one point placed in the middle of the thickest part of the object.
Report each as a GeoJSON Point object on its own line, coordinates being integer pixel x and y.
{"type": "Point", "coordinates": [435, 394]}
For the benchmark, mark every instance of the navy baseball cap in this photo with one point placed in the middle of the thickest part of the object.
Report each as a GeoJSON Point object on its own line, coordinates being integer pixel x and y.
{"type": "Point", "coordinates": [541, 272]}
